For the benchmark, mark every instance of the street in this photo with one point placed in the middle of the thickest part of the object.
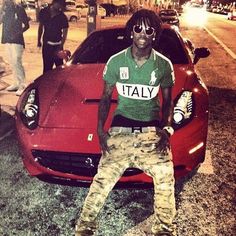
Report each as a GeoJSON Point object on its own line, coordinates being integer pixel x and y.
{"type": "Point", "coordinates": [205, 202]}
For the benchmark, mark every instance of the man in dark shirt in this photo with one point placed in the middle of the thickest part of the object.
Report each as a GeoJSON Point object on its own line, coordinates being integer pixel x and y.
{"type": "Point", "coordinates": [53, 25]}
{"type": "Point", "coordinates": [15, 22]}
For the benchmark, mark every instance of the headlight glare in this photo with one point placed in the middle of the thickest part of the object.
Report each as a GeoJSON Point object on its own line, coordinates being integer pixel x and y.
{"type": "Point", "coordinates": [30, 109]}
{"type": "Point", "coordinates": [183, 109]}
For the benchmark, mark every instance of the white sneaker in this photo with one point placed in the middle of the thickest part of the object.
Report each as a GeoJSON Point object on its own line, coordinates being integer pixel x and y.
{"type": "Point", "coordinates": [20, 90]}
{"type": "Point", "coordinates": [12, 88]}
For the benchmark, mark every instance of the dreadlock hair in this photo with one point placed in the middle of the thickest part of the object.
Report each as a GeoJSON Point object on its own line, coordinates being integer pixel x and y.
{"type": "Point", "coordinates": [151, 17]}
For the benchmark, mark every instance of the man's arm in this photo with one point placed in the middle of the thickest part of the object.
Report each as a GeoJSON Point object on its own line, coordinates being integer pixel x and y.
{"type": "Point", "coordinates": [64, 36]}
{"type": "Point", "coordinates": [25, 20]}
{"type": "Point", "coordinates": [2, 12]}
{"type": "Point", "coordinates": [167, 114]}
{"type": "Point", "coordinates": [103, 111]}
{"type": "Point", "coordinates": [40, 32]}
{"type": "Point", "coordinates": [1, 16]}
{"type": "Point", "coordinates": [167, 107]}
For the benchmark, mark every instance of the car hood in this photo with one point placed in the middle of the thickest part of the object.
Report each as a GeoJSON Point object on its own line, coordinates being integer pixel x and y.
{"type": "Point", "coordinates": [70, 98]}
{"type": "Point", "coordinates": [71, 101]}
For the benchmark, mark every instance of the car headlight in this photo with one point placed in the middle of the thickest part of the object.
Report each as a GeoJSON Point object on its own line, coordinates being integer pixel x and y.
{"type": "Point", "coordinates": [183, 109]}
{"type": "Point", "coordinates": [30, 109]}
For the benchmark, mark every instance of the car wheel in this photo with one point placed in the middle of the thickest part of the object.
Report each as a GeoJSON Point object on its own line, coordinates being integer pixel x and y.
{"type": "Point", "coordinates": [73, 19]}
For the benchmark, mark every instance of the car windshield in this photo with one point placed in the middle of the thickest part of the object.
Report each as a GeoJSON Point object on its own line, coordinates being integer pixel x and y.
{"type": "Point", "coordinates": [101, 45]}
{"type": "Point", "coordinates": [167, 13]}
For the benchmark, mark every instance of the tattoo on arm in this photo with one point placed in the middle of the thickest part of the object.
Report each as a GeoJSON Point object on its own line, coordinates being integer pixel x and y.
{"type": "Point", "coordinates": [167, 107]}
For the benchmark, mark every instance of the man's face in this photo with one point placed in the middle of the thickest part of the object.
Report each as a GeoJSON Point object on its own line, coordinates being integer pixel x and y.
{"type": "Point", "coordinates": [143, 34]}
{"type": "Point", "coordinates": [57, 6]}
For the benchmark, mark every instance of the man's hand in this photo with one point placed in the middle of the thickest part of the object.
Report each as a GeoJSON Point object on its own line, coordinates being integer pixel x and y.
{"type": "Point", "coordinates": [103, 136]}
{"type": "Point", "coordinates": [164, 143]}
{"type": "Point", "coordinates": [40, 33]}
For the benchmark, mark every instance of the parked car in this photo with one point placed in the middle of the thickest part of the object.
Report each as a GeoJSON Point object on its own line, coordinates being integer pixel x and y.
{"type": "Point", "coordinates": [56, 116]}
{"type": "Point", "coordinates": [111, 9]}
{"type": "Point", "coordinates": [196, 5]}
{"type": "Point", "coordinates": [232, 15]}
{"type": "Point", "coordinates": [83, 10]}
{"type": "Point", "coordinates": [70, 5]}
{"type": "Point", "coordinates": [169, 16]}
{"type": "Point", "coordinates": [72, 15]}
{"type": "Point", "coordinates": [220, 10]}
{"type": "Point", "coordinates": [180, 10]}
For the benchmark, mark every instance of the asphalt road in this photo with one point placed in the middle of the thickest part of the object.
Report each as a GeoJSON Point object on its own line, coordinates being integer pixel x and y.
{"type": "Point", "coordinates": [205, 202]}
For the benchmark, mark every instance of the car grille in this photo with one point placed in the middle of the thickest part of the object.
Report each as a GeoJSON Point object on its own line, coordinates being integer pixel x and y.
{"type": "Point", "coordinates": [83, 164]}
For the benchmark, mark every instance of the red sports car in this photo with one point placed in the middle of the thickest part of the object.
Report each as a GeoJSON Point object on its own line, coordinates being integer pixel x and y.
{"type": "Point", "coordinates": [56, 116]}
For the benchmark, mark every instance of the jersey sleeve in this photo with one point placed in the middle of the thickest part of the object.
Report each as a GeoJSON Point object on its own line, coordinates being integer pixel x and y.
{"type": "Point", "coordinates": [168, 79]}
{"type": "Point", "coordinates": [23, 16]}
{"type": "Point", "coordinates": [64, 22]}
{"type": "Point", "coordinates": [110, 72]}
{"type": "Point", "coordinates": [41, 15]}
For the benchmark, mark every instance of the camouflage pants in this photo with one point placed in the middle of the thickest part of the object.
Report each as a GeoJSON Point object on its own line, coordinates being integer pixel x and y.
{"type": "Point", "coordinates": [137, 150]}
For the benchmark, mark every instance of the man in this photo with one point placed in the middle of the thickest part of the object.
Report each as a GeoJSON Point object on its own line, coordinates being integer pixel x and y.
{"type": "Point", "coordinates": [53, 25]}
{"type": "Point", "coordinates": [137, 137]}
{"type": "Point", "coordinates": [15, 22]}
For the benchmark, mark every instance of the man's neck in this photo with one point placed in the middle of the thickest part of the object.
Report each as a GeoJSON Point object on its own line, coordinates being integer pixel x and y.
{"type": "Point", "coordinates": [140, 55]}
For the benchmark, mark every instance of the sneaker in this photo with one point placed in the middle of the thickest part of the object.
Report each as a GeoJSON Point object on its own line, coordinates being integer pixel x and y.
{"type": "Point", "coordinates": [20, 90]}
{"type": "Point", "coordinates": [12, 88]}
{"type": "Point", "coordinates": [85, 232]}
{"type": "Point", "coordinates": [85, 228]}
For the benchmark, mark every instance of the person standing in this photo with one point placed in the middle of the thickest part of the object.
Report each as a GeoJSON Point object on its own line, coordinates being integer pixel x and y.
{"type": "Point", "coordinates": [53, 25]}
{"type": "Point", "coordinates": [138, 137]}
{"type": "Point", "coordinates": [15, 23]}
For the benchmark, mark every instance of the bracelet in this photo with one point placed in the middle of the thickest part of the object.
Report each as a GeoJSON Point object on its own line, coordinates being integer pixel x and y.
{"type": "Point", "coordinates": [169, 129]}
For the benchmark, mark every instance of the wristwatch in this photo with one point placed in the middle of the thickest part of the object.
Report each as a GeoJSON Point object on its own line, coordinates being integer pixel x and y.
{"type": "Point", "coordinates": [169, 129]}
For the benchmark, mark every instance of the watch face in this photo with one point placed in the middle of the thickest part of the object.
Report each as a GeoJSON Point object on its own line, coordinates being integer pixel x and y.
{"type": "Point", "coordinates": [169, 129]}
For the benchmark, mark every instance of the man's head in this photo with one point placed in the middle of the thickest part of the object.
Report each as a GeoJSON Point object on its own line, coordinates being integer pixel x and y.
{"type": "Point", "coordinates": [144, 22]}
{"type": "Point", "coordinates": [58, 5]}
{"type": "Point", "coordinates": [9, 3]}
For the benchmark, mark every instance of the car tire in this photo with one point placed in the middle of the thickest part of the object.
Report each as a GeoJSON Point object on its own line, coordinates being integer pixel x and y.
{"type": "Point", "coordinates": [74, 19]}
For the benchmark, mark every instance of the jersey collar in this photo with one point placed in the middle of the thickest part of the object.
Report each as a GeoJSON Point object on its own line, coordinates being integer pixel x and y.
{"type": "Point", "coordinates": [129, 54]}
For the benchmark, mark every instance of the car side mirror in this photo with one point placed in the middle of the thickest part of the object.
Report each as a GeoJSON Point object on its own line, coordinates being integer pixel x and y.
{"type": "Point", "coordinates": [64, 54]}
{"type": "Point", "coordinates": [200, 53]}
